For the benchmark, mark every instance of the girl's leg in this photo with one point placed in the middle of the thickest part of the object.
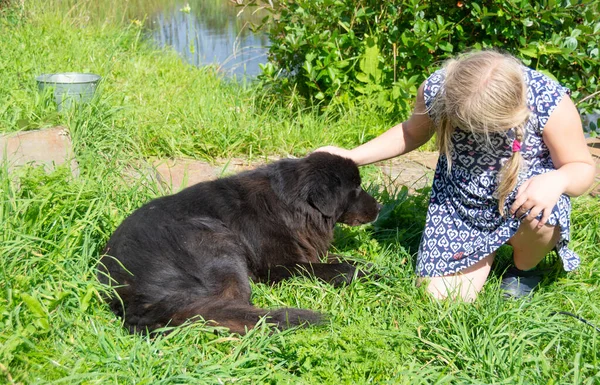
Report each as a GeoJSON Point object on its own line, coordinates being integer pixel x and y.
{"type": "Point", "coordinates": [530, 244]}
{"type": "Point", "coordinates": [464, 284]}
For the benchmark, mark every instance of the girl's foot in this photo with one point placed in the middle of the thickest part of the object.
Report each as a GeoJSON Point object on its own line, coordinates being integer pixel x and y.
{"type": "Point", "coordinates": [518, 283]}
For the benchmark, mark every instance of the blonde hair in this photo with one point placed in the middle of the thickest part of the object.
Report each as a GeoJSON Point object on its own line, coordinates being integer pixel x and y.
{"type": "Point", "coordinates": [484, 92]}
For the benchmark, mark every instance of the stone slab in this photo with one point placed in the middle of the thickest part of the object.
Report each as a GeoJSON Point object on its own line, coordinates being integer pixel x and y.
{"type": "Point", "coordinates": [47, 147]}
{"type": "Point", "coordinates": [414, 170]}
{"type": "Point", "coordinates": [52, 147]}
{"type": "Point", "coordinates": [427, 159]}
{"type": "Point", "coordinates": [172, 175]}
{"type": "Point", "coordinates": [175, 174]}
{"type": "Point", "coordinates": [406, 173]}
{"type": "Point", "coordinates": [594, 146]}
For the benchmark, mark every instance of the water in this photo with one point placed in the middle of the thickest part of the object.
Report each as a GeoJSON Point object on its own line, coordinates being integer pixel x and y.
{"type": "Point", "coordinates": [208, 32]}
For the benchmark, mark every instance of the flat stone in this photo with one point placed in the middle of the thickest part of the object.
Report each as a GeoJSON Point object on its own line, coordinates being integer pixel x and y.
{"type": "Point", "coordinates": [48, 147]}
{"type": "Point", "coordinates": [428, 159]}
{"type": "Point", "coordinates": [52, 147]}
{"type": "Point", "coordinates": [407, 173]}
{"type": "Point", "coordinates": [172, 175]}
{"type": "Point", "coordinates": [414, 170]}
{"type": "Point", "coordinates": [175, 174]}
{"type": "Point", "coordinates": [595, 190]}
{"type": "Point", "coordinates": [594, 147]}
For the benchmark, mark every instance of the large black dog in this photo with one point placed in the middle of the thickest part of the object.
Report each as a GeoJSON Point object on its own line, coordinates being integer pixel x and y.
{"type": "Point", "coordinates": [192, 253]}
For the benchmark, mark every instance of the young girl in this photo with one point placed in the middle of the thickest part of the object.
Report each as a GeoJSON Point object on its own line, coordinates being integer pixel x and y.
{"type": "Point", "coordinates": [512, 151]}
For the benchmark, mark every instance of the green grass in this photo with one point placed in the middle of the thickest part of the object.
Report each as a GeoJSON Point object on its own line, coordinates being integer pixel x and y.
{"type": "Point", "coordinates": [54, 329]}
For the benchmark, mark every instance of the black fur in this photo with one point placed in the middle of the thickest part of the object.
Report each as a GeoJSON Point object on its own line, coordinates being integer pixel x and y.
{"type": "Point", "coordinates": [192, 253]}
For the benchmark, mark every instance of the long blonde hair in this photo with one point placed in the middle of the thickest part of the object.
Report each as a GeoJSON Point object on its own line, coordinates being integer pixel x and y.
{"type": "Point", "coordinates": [484, 92]}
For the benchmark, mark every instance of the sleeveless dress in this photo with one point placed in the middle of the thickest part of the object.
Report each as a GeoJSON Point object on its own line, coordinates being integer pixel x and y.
{"type": "Point", "coordinates": [463, 223]}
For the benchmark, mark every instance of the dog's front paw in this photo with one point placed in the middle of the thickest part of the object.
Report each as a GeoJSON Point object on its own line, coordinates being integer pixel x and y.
{"type": "Point", "coordinates": [348, 273]}
{"type": "Point", "coordinates": [367, 271]}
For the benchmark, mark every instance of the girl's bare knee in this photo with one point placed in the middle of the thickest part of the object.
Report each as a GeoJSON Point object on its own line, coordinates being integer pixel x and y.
{"type": "Point", "coordinates": [463, 285]}
{"type": "Point", "coordinates": [530, 245]}
{"type": "Point", "coordinates": [449, 287]}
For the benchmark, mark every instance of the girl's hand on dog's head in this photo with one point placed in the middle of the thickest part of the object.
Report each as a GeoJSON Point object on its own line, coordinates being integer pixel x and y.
{"type": "Point", "coordinates": [335, 151]}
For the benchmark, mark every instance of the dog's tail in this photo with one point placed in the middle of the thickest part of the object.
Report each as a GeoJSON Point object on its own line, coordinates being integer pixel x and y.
{"type": "Point", "coordinates": [240, 317]}
{"type": "Point", "coordinates": [236, 316]}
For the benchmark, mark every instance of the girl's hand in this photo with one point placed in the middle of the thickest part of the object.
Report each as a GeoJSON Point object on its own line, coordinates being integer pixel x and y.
{"type": "Point", "coordinates": [335, 151]}
{"type": "Point", "coordinates": [539, 194]}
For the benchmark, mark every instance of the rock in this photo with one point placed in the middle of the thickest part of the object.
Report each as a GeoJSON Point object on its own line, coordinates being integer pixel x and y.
{"type": "Point", "coordinates": [48, 147]}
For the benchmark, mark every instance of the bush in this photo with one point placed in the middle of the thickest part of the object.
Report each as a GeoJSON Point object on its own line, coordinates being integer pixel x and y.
{"type": "Point", "coordinates": [335, 50]}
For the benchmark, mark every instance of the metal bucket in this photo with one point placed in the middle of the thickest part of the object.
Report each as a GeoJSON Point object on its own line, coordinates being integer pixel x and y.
{"type": "Point", "coordinates": [69, 87]}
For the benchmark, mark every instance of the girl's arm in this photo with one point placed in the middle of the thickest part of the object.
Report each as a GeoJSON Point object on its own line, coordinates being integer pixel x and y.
{"type": "Point", "coordinates": [563, 135]}
{"type": "Point", "coordinates": [398, 140]}
{"type": "Point", "coordinates": [574, 165]}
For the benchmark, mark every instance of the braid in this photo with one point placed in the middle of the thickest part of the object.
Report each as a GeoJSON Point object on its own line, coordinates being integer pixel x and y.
{"type": "Point", "coordinates": [444, 133]}
{"type": "Point", "coordinates": [509, 174]}
{"type": "Point", "coordinates": [444, 125]}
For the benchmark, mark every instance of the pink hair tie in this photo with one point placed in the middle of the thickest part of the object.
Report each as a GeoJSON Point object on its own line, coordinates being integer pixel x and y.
{"type": "Point", "coordinates": [516, 146]}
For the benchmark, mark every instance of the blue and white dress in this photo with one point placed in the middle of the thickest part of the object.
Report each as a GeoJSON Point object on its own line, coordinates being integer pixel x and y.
{"type": "Point", "coordinates": [463, 222]}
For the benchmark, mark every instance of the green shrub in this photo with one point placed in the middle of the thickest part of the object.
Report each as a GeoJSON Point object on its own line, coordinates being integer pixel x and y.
{"type": "Point", "coordinates": [333, 49]}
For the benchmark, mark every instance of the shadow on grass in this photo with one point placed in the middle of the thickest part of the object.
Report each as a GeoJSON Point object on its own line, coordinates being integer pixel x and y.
{"type": "Point", "coordinates": [399, 225]}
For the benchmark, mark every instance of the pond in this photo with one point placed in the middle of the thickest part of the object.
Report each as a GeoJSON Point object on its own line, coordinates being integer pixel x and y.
{"type": "Point", "coordinates": [208, 32]}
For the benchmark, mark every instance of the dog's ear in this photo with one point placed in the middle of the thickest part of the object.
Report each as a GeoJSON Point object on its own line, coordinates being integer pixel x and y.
{"type": "Point", "coordinates": [321, 187]}
{"type": "Point", "coordinates": [297, 181]}
{"type": "Point", "coordinates": [323, 180]}
{"type": "Point", "coordinates": [323, 198]}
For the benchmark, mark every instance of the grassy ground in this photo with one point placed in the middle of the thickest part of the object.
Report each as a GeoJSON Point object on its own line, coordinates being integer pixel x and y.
{"type": "Point", "coordinates": [54, 328]}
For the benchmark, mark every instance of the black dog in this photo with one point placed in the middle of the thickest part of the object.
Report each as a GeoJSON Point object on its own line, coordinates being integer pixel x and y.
{"type": "Point", "coordinates": [192, 253]}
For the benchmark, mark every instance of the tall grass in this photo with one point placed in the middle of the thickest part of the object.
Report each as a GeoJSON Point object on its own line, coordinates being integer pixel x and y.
{"type": "Point", "coordinates": [54, 329]}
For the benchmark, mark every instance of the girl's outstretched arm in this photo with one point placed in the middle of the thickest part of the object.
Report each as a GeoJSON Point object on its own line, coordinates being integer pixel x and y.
{"type": "Point", "coordinates": [398, 140]}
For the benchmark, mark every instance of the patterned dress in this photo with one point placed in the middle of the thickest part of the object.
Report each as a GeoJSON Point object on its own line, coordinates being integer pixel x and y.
{"type": "Point", "coordinates": [463, 223]}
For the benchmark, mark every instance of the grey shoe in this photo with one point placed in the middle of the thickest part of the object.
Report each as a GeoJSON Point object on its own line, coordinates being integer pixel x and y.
{"type": "Point", "coordinates": [518, 283]}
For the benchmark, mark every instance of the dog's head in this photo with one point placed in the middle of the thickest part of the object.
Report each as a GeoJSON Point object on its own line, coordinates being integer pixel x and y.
{"type": "Point", "coordinates": [329, 184]}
